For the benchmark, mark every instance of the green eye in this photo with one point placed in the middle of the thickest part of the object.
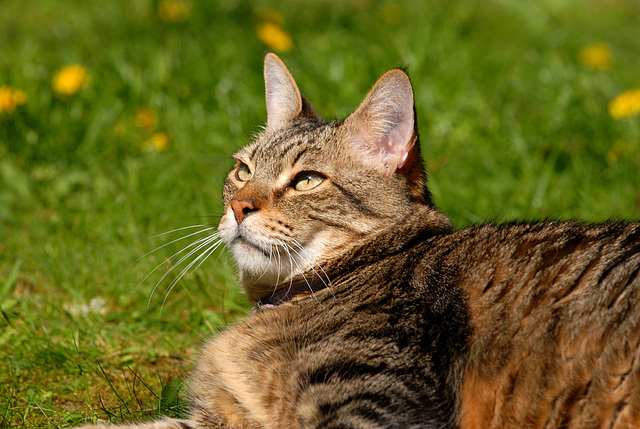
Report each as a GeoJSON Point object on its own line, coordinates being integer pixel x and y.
{"type": "Point", "coordinates": [307, 181]}
{"type": "Point", "coordinates": [243, 173]}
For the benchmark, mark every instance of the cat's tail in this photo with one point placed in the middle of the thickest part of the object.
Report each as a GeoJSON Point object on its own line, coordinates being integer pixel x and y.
{"type": "Point", "coordinates": [158, 424]}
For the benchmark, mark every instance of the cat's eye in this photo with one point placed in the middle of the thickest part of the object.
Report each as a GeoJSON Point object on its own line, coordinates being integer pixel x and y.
{"type": "Point", "coordinates": [306, 181]}
{"type": "Point", "coordinates": [243, 173]}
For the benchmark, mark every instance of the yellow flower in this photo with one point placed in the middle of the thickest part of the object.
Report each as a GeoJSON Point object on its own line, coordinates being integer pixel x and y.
{"type": "Point", "coordinates": [626, 104]}
{"type": "Point", "coordinates": [274, 37]}
{"type": "Point", "coordinates": [70, 79]}
{"type": "Point", "coordinates": [159, 141]}
{"type": "Point", "coordinates": [597, 56]}
{"type": "Point", "coordinates": [10, 98]}
{"type": "Point", "coordinates": [146, 119]}
{"type": "Point", "coordinates": [174, 10]}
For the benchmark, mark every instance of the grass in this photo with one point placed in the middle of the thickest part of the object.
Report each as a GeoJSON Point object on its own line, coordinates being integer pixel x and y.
{"type": "Point", "coordinates": [513, 126]}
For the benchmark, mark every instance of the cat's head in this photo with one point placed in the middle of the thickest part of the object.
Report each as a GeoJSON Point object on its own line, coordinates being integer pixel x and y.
{"type": "Point", "coordinates": [305, 189]}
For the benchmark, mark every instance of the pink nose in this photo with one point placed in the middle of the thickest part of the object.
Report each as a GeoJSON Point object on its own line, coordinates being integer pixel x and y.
{"type": "Point", "coordinates": [241, 208]}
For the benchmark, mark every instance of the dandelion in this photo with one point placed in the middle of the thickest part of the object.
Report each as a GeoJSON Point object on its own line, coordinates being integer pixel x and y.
{"type": "Point", "coordinates": [159, 141]}
{"type": "Point", "coordinates": [625, 105]}
{"type": "Point", "coordinates": [70, 79]}
{"type": "Point", "coordinates": [146, 119]}
{"type": "Point", "coordinates": [174, 10]}
{"type": "Point", "coordinates": [11, 98]}
{"type": "Point", "coordinates": [597, 56]}
{"type": "Point", "coordinates": [274, 37]}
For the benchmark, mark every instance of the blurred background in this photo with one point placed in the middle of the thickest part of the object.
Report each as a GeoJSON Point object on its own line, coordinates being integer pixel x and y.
{"type": "Point", "coordinates": [118, 119]}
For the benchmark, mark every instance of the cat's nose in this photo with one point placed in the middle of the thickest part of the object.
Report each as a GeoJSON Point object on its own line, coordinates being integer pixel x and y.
{"type": "Point", "coordinates": [242, 208]}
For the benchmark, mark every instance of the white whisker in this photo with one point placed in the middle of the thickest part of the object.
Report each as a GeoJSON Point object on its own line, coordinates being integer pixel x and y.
{"type": "Point", "coordinates": [179, 229]}
{"type": "Point", "coordinates": [195, 243]}
{"type": "Point", "coordinates": [288, 249]}
{"type": "Point", "coordinates": [202, 257]}
{"type": "Point", "coordinates": [266, 269]}
{"type": "Point", "coordinates": [291, 261]}
{"type": "Point", "coordinates": [203, 242]}
{"type": "Point", "coordinates": [275, 288]}
{"type": "Point", "coordinates": [177, 239]}
{"type": "Point", "coordinates": [327, 283]}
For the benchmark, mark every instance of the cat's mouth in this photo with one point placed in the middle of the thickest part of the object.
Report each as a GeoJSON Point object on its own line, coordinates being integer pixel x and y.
{"type": "Point", "coordinates": [242, 241]}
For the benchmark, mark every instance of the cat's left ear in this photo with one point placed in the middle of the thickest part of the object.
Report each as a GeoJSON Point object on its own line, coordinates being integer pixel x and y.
{"type": "Point", "coordinates": [382, 128]}
{"type": "Point", "coordinates": [285, 103]}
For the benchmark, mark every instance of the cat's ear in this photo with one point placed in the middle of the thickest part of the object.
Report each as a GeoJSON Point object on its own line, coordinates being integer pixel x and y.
{"type": "Point", "coordinates": [284, 100]}
{"type": "Point", "coordinates": [382, 128]}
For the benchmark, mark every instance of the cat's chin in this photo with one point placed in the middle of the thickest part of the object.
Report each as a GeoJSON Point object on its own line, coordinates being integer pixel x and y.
{"type": "Point", "coordinates": [260, 268]}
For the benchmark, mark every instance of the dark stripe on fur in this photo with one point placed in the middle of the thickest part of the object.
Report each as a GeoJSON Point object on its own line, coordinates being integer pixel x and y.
{"type": "Point", "coordinates": [623, 288]}
{"type": "Point", "coordinates": [335, 225]}
{"type": "Point", "coordinates": [375, 408]}
{"type": "Point", "coordinates": [344, 370]}
{"type": "Point", "coordinates": [357, 202]}
{"type": "Point", "coordinates": [297, 158]}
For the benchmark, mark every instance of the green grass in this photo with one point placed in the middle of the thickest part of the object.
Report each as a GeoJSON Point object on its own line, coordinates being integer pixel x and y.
{"type": "Point", "coordinates": [513, 126]}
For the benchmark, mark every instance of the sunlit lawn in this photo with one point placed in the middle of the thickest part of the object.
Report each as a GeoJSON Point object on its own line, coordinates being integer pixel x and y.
{"type": "Point", "coordinates": [118, 119]}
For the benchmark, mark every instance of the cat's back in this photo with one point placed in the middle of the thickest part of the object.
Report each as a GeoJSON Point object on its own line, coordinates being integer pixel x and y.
{"type": "Point", "coordinates": [554, 310]}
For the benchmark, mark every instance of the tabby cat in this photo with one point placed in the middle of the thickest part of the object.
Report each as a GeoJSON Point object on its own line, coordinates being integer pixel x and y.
{"type": "Point", "coordinates": [372, 312]}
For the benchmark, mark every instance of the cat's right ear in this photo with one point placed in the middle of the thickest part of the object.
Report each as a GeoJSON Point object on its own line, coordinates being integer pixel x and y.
{"type": "Point", "coordinates": [284, 100]}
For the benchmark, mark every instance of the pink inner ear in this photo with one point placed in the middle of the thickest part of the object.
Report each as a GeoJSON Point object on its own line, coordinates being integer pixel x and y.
{"type": "Point", "coordinates": [382, 127]}
{"type": "Point", "coordinates": [404, 154]}
{"type": "Point", "coordinates": [393, 148]}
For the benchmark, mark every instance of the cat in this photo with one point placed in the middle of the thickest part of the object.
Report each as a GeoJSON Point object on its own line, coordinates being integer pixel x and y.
{"type": "Point", "coordinates": [373, 312]}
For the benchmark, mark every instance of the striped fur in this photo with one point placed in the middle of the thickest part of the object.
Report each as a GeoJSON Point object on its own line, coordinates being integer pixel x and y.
{"type": "Point", "coordinates": [419, 326]}
{"type": "Point", "coordinates": [555, 313]}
